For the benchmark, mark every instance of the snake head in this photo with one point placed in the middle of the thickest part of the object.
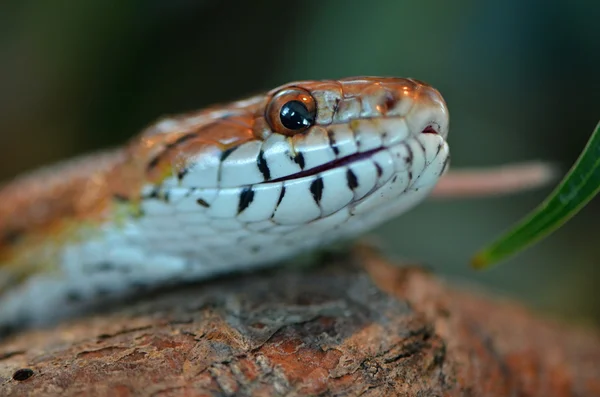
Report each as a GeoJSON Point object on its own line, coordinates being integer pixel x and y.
{"type": "Point", "coordinates": [230, 187]}
{"type": "Point", "coordinates": [305, 163]}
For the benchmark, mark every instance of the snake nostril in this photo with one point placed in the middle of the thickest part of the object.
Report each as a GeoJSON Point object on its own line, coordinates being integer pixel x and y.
{"type": "Point", "coordinates": [390, 101]}
{"type": "Point", "coordinates": [429, 130]}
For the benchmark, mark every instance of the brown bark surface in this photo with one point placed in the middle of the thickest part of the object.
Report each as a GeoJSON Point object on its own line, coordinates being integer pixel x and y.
{"type": "Point", "coordinates": [346, 329]}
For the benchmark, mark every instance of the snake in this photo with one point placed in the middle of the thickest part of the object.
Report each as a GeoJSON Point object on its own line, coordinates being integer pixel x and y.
{"type": "Point", "coordinates": [230, 188]}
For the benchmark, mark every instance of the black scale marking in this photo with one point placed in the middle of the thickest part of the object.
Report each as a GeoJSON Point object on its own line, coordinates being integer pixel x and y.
{"type": "Point", "coordinates": [281, 194]}
{"type": "Point", "coordinates": [351, 179]}
{"type": "Point", "coordinates": [203, 203]}
{"type": "Point", "coordinates": [299, 159]}
{"type": "Point", "coordinates": [316, 188]}
{"type": "Point", "coordinates": [332, 142]}
{"type": "Point", "coordinates": [263, 167]}
{"type": "Point", "coordinates": [246, 198]}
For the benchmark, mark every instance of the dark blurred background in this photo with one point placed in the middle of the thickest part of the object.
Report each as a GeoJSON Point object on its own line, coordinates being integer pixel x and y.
{"type": "Point", "coordinates": [521, 80]}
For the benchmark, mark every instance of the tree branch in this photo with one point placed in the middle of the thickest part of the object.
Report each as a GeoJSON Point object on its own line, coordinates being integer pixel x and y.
{"type": "Point", "coordinates": [352, 327]}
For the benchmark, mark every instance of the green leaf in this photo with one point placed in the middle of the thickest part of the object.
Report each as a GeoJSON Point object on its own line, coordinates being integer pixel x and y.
{"type": "Point", "coordinates": [578, 187]}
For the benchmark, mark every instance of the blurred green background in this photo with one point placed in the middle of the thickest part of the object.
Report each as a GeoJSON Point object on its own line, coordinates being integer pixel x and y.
{"type": "Point", "coordinates": [520, 78]}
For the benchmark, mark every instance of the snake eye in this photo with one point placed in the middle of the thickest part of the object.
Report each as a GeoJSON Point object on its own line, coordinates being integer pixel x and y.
{"type": "Point", "coordinates": [291, 111]}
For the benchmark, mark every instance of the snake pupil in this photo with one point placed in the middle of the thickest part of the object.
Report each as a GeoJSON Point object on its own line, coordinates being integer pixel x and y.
{"type": "Point", "coordinates": [295, 116]}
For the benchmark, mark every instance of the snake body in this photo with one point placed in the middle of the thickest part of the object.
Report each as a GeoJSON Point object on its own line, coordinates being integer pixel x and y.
{"type": "Point", "coordinates": [228, 188]}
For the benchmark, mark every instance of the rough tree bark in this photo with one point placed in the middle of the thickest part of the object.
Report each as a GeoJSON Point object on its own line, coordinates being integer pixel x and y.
{"type": "Point", "coordinates": [346, 329]}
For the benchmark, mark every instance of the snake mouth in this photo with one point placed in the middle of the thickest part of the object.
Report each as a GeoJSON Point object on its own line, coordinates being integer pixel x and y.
{"type": "Point", "coordinates": [429, 129]}
{"type": "Point", "coordinates": [330, 165]}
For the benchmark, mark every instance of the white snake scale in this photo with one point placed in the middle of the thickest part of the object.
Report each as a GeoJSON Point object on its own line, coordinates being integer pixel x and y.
{"type": "Point", "coordinates": [228, 188]}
